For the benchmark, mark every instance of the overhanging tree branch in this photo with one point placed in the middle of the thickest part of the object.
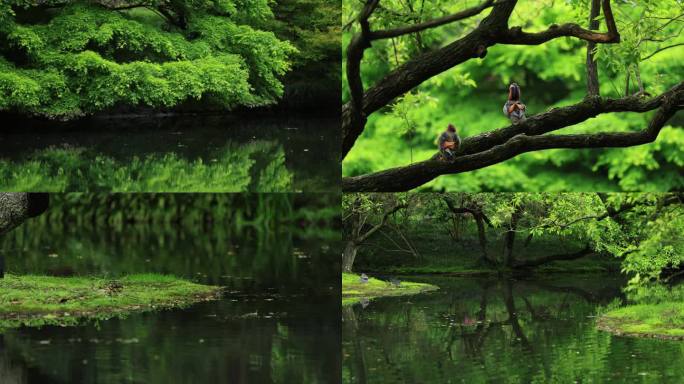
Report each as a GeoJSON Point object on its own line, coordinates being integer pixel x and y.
{"type": "Point", "coordinates": [396, 32]}
{"type": "Point", "coordinates": [494, 147]}
{"type": "Point", "coordinates": [413, 72]}
{"type": "Point", "coordinates": [592, 67]}
{"type": "Point", "coordinates": [492, 30]}
{"type": "Point", "coordinates": [517, 36]}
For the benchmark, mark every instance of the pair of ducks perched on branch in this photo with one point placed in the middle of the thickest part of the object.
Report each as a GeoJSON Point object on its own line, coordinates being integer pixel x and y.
{"type": "Point", "coordinates": [450, 143]}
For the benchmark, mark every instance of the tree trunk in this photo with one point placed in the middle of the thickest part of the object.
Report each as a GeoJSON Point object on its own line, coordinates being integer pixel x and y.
{"type": "Point", "coordinates": [351, 325]}
{"type": "Point", "coordinates": [509, 301]}
{"type": "Point", "coordinates": [479, 220]}
{"type": "Point", "coordinates": [510, 238]}
{"type": "Point", "coordinates": [2, 266]}
{"type": "Point", "coordinates": [349, 255]}
{"type": "Point", "coordinates": [592, 70]}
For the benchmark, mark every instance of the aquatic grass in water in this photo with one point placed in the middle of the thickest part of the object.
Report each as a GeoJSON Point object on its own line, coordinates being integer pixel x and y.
{"type": "Point", "coordinates": [656, 311]}
{"type": "Point", "coordinates": [257, 166]}
{"type": "Point", "coordinates": [48, 300]}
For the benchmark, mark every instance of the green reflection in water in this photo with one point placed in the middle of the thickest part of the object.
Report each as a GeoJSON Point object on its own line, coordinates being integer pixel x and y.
{"type": "Point", "coordinates": [257, 166]}
{"type": "Point", "coordinates": [503, 331]}
{"type": "Point", "coordinates": [277, 255]}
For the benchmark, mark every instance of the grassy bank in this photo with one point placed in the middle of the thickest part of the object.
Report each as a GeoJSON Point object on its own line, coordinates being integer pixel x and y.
{"type": "Point", "coordinates": [353, 289]}
{"type": "Point", "coordinates": [46, 300]}
{"type": "Point", "coordinates": [663, 320]}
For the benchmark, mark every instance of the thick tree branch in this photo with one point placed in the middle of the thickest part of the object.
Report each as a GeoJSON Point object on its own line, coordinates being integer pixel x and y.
{"type": "Point", "coordinates": [497, 146]}
{"type": "Point", "coordinates": [492, 30]}
{"type": "Point", "coordinates": [592, 68]}
{"type": "Point", "coordinates": [415, 71]}
{"type": "Point", "coordinates": [517, 36]}
{"type": "Point", "coordinates": [355, 50]}
{"type": "Point", "coordinates": [396, 32]}
{"type": "Point", "coordinates": [558, 257]}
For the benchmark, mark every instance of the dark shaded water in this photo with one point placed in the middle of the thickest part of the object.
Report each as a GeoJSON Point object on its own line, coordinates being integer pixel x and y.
{"type": "Point", "coordinates": [310, 144]}
{"type": "Point", "coordinates": [279, 321]}
{"type": "Point", "coordinates": [478, 330]}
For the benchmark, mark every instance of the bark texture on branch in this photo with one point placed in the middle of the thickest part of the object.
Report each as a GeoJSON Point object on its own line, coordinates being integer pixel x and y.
{"type": "Point", "coordinates": [592, 68]}
{"type": "Point", "coordinates": [492, 30]}
{"type": "Point", "coordinates": [500, 145]}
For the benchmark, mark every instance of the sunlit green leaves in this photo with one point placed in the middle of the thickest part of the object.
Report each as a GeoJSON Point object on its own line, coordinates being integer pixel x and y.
{"type": "Point", "coordinates": [98, 59]}
{"type": "Point", "coordinates": [551, 75]}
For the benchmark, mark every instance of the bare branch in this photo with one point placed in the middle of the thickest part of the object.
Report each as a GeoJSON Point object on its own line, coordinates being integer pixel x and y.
{"type": "Point", "coordinates": [382, 223]}
{"type": "Point", "coordinates": [657, 51]}
{"type": "Point", "coordinates": [592, 68]}
{"type": "Point", "coordinates": [355, 50]}
{"type": "Point", "coordinates": [517, 36]}
{"type": "Point", "coordinates": [389, 33]}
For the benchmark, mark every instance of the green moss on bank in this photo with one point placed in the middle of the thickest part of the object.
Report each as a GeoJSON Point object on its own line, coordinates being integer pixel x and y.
{"type": "Point", "coordinates": [353, 289]}
{"type": "Point", "coordinates": [663, 320]}
{"type": "Point", "coordinates": [45, 300]}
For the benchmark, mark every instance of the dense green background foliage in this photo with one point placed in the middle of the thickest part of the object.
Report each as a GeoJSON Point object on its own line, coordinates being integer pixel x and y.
{"type": "Point", "coordinates": [314, 28]}
{"type": "Point", "coordinates": [641, 231]}
{"type": "Point", "coordinates": [471, 96]}
{"type": "Point", "coordinates": [76, 57]}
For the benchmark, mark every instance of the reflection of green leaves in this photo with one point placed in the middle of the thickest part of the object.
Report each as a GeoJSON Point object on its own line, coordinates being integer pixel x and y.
{"type": "Point", "coordinates": [231, 170]}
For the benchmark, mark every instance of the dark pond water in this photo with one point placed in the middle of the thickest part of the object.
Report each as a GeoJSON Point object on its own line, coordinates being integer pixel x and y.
{"type": "Point", "coordinates": [279, 321]}
{"type": "Point", "coordinates": [501, 331]}
{"type": "Point", "coordinates": [310, 144]}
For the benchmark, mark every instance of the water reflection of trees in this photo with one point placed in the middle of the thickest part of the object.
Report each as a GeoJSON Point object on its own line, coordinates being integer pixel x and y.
{"type": "Point", "coordinates": [482, 330]}
{"type": "Point", "coordinates": [280, 241]}
{"type": "Point", "coordinates": [209, 343]}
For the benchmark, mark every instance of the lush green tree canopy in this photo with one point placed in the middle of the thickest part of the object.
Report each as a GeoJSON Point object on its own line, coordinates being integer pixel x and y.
{"type": "Point", "coordinates": [68, 58]}
{"type": "Point", "coordinates": [641, 230]}
{"type": "Point", "coordinates": [422, 70]}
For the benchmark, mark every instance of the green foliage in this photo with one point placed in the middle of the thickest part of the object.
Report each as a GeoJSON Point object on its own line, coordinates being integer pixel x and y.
{"type": "Point", "coordinates": [259, 166]}
{"type": "Point", "coordinates": [640, 230]}
{"type": "Point", "coordinates": [551, 75]}
{"type": "Point", "coordinates": [87, 58]}
{"type": "Point", "coordinates": [654, 310]}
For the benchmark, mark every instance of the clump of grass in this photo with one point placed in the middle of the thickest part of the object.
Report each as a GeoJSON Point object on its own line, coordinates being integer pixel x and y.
{"type": "Point", "coordinates": [659, 320]}
{"type": "Point", "coordinates": [47, 300]}
{"type": "Point", "coordinates": [353, 289]}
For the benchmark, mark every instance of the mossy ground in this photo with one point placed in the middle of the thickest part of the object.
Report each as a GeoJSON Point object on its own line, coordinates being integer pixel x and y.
{"type": "Point", "coordinates": [353, 289]}
{"type": "Point", "coordinates": [46, 300]}
{"type": "Point", "coordinates": [663, 320]}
